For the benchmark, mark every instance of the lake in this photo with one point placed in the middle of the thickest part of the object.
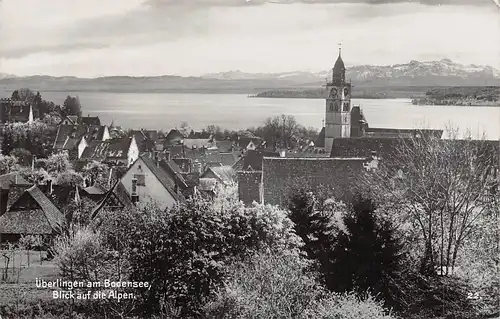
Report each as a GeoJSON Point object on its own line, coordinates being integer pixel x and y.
{"type": "Point", "coordinates": [236, 111]}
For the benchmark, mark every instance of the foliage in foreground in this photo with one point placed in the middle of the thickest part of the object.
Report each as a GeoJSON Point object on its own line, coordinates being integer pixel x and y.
{"type": "Point", "coordinates": [276, 286]}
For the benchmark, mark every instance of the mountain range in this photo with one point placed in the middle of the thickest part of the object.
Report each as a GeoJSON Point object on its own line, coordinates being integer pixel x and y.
{"type": "Point", "coordinates": [412, 74]}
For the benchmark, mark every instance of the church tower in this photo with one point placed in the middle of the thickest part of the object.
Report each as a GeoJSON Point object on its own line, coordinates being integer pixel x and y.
{"type": "Point", "coordinates": [338, 105]}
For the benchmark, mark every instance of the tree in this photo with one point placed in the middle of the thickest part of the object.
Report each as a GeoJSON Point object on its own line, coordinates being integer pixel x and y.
{"type": "Point", "coordinates": [185, 129]}
{"type": "Point", "coordinates": [23, 155]}
{"type": "Point", "coordinates": [314, 226]}
{"type": "Point", "coordinates": [8, 164]}
{"type": "Point", "coordinates": [444, 189]}
{"type": "Point", "coordinates": [72, 106]}
{"type": "Point", "coordinates": [97, 172]}
{"type": "Point", "coordinates": [367, 256]}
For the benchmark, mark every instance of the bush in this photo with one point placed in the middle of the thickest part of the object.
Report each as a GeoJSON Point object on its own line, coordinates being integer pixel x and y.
{"type": "Point", "coordinates": [265, 286]}
{"type": "Point", "coordinates": [348, 306]}
{"type": "Point", "coordinates": [183, 252]}
{"type": "Point", "coordinates": [275, 286]}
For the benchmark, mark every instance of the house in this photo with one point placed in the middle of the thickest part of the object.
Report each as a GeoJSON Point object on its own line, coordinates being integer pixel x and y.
{"type": "Point", "coordinates": [31, 214]}
{"type": "Point", "coordinates": [174, 137]}
{"type": "Point", "coordinates": [147, 181]}
{"type": "Point", "coordinates": [280, 176]}
{"type": "Point", "coordinates": [15, 111]}
{"type": "Point", "coordinates": [90, 120]}
{"type": "Point", "coordinates": [252, 160]}
{"type": "Point", "coordinates": [200, 135]}
{"type": "Point", "coordinates": [116, 198]}
{"type": "Point", "coordinates": [119, 151]}
{"type": "Point", "coordinates": [198, 158]}
{"type": "Point", "coordinates": [199, 143]}
{"type": "Point", "coordinates": [9, 183]}
{"type": "Point", "coordinates": [145, 139]}
{"type": "Point", "coordinates": [222, 174]}
{"type": "Point", "coordinates": [69, 120]}
{"type": "Point", "coordinates": [225, 146]}
{"type": "Point", "coordinates": [207, 187]}
{"type": "Point", "coordinates": [73, 139]}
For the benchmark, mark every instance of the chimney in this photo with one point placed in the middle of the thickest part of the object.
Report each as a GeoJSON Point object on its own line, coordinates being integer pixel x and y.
{"type": "Point", "coordinates": [167, 156]}
{"type": "Point", "coordinates": [49, 186]}
{"type": "Point", "coordinates": [157, 160]}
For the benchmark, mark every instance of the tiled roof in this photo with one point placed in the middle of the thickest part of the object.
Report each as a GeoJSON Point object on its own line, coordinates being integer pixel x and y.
{"type": "Point", "coordinates": [95, 189]}
{"type": "Point", "coordinates": [225, 146]}
{"type": "Point", "coordinates": [281, 175]}
{"type": "Point", "coordinates": [199, 135]}
{"type": "Point", "coordinates": [14, 111]}
{"type": "Point", "coordinates": [32, 213]}
{"type": "Point", "coordinates": [171, 168]}
{"type": "Point", "coordinates": [204, 156]}
{"type": "Point", "coordinates": [173, 137]}
{"type": "Point", "coordinates": [253, 159]}
{"type": "Point", "coordinates": [100, 150]}
{"type": "Point", "coordinates": [225, 173]}
{"type": "Point", "coordinates": [198, 143]}
{"type": "Point", "coordinates": [228, 159]}
{"type": "Point", "coordinates": [320, 141]}
{"type": "Point", "coordinates": [119, 192]}
{"type": "Point", "coordinates": [7, 180]}
{"type": "Point", "coordinates": [91, 120]}
{"type": "Point", "coordinates": [67, 130]}
{"type": "Point", "coordinates": [70, 143]}
{"type": "Point", "coordinates": [162, 176]}
{"type": "Point", "coordinates": [363, 147]}
{"type": "Point", "coordinates": [76, 132]}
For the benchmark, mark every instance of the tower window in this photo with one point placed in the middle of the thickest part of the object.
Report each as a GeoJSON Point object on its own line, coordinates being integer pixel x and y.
{"type": "Point", "coordinates": [346, 106]}
{"type": "Point", "coordinates": [331, 107]}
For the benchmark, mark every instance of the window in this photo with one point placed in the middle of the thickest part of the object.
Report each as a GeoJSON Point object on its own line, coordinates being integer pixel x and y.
{"type": "Point", "coordinates": [134, 186]}
{"type": "Point", "coordinates": [346, 106]}
{"type": "Point", "coordinates": [140, 178]}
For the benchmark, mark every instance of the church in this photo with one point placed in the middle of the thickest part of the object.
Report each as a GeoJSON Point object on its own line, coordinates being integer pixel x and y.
{"type": "Point", "coordinates": [346, 147]}
{"type": "Point", "coordinates": [345, 122]}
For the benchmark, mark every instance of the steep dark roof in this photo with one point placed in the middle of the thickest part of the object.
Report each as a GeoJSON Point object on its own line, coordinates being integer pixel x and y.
{"type": "Point", "coordinates": [67, 130]}
{"type": "Point", "coordinates": [199, 135]}
{"type": "Point", "coordinates": [280, 176]}
{"type": "Point", "coordinates": [225, 174]}
{"type": "Point", "coordinates": [95, 189]}
{"type": "Point", "coordinates": [101, 150]}
{"type": "Point", "coordinates": [198, 143]}
{"type": "Point", "coordinates": [7, 180]}
{"type": "Point", "coordinates": [32, 213]}
{"type": "Point", "coordinates": [228, 159]}
{"type": "Point", "coordinates": [117, 192]}
{"type": "Point", "coordinates": [204, 156]}
{"type": "Point", "coordinates": [145, 139]}
{"type": "Point", "coordinates": [173, 137]}
{"type": "Point", "coordinates": [320, 141]}
{"type": "Point", "coordinates": [14, 111]}
{"type": "Point", "coordinates": [163, 177]}
{"type": "Point", "coordinates": [225, 146]}
{"type": "Point", "coordinates": [71, 143]}
{"type": "Point", "coordinates": [91, 120]}
{"type": "Point", "coordinates": [171, 168]}
{"type": "Point", "coordinates": [363, 146]}
{"type": "Point", "coordinates": [253, 159]}
{"type": "Point", "coordinates": [75, 133]}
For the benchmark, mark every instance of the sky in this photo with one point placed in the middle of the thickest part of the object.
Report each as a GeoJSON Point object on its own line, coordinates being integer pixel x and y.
{"type": "Point", "coordinates": [92, 38]}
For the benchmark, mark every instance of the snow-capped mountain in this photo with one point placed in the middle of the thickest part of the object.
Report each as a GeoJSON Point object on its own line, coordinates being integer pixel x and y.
{"type": "Point", "coordinates": [443, 72]}
{"type": "Point", "coordinates": [6, 76]}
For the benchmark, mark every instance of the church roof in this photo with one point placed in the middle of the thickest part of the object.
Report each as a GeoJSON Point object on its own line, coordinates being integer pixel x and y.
{"type": "Point", "coordinates": [339, 64]}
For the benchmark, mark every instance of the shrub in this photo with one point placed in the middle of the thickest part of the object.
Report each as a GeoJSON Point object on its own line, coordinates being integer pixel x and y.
{"type": "Point", "coordinates": [348, 306]}
{"type": "Point", "coordinates": [265, 286]}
